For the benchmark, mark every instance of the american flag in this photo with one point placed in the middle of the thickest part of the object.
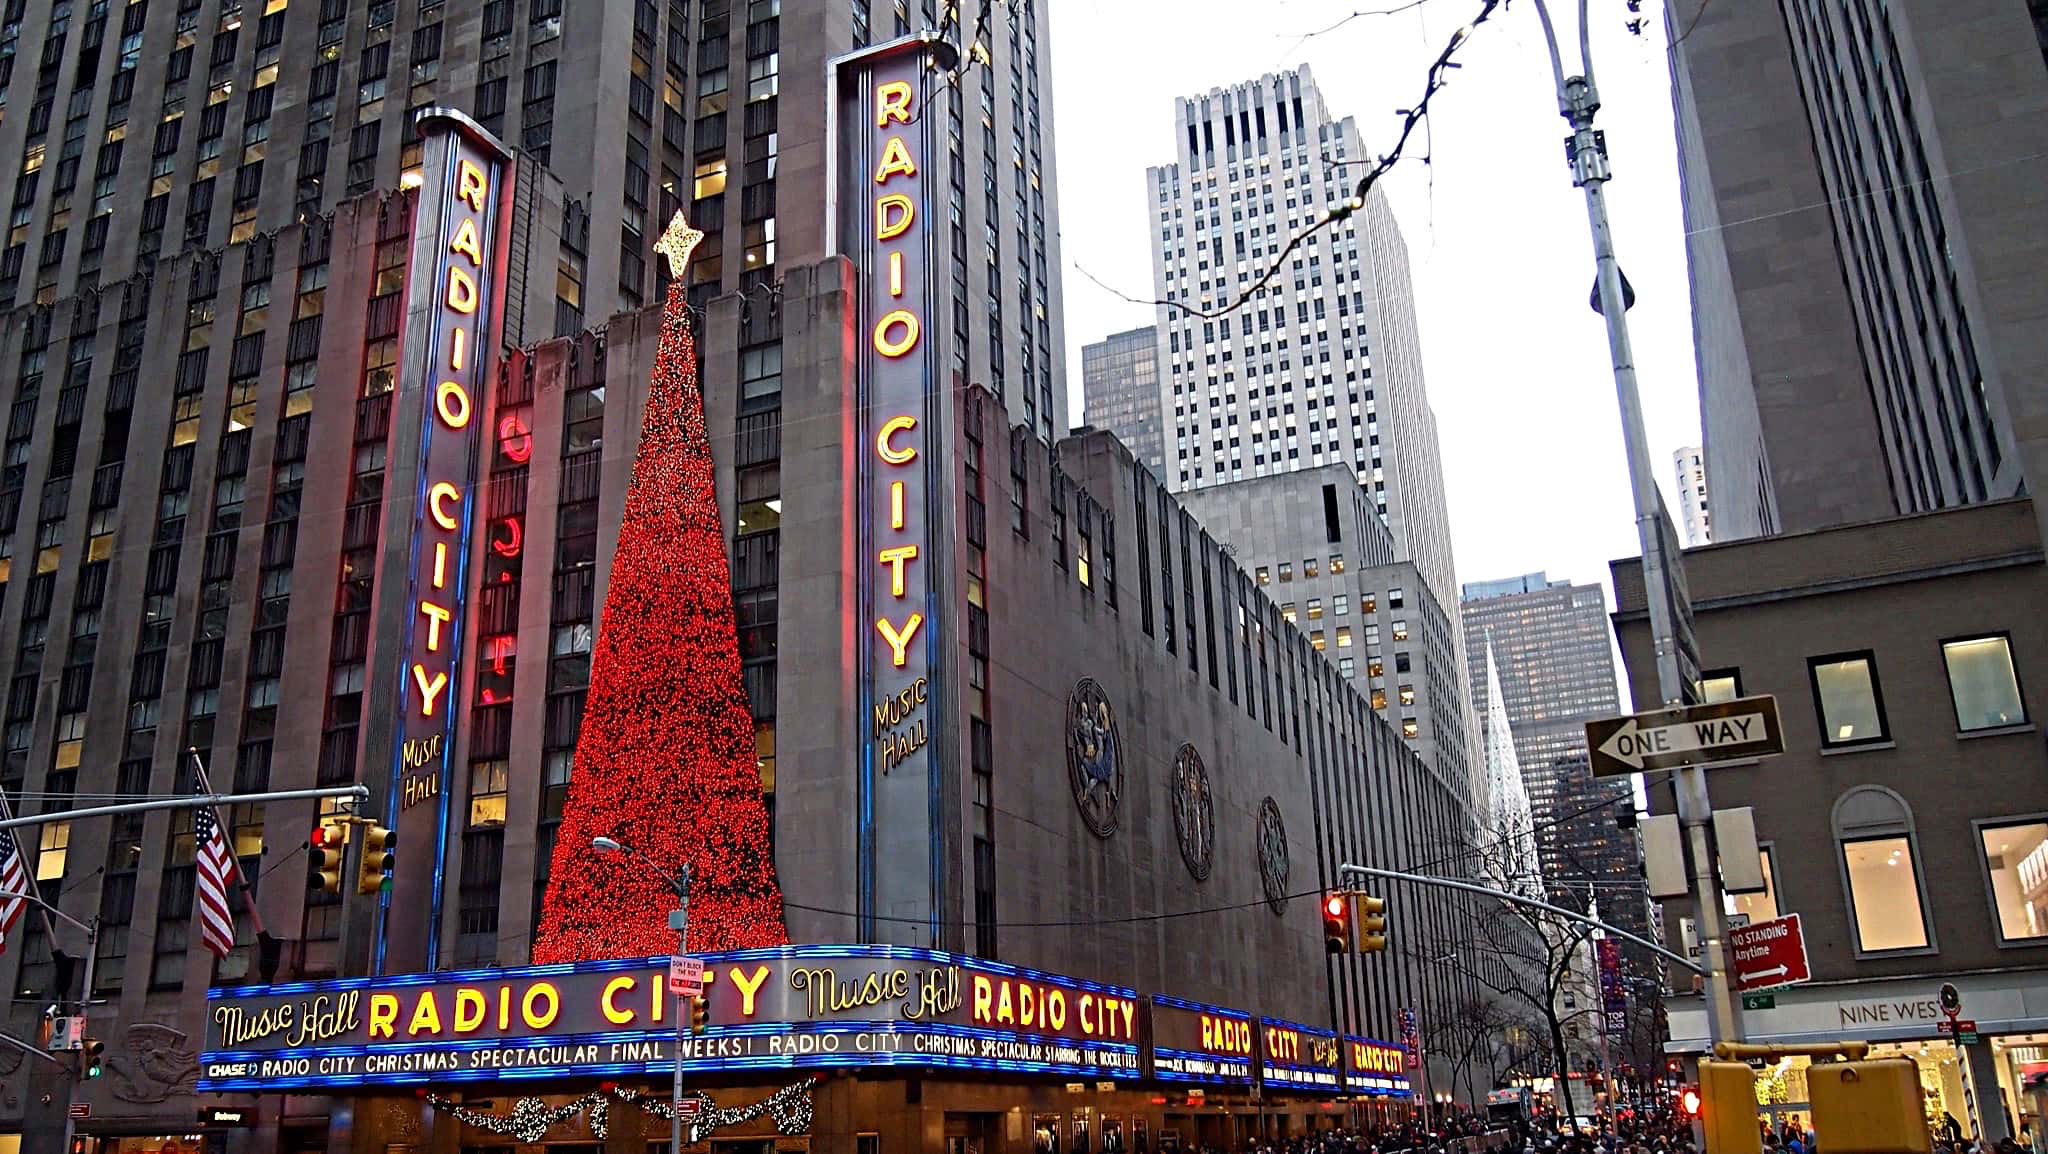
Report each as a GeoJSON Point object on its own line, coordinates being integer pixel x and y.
{"type": "Point", "coordinates": [216, 870]}
{"type": "Point", "coordinates": [14, 883]}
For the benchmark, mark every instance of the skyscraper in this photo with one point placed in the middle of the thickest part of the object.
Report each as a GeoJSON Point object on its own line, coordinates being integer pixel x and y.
{"type": "Point", "coordinates": [638, 108]}
{"type": "Point", "coordinates": [1853, 158]}
{"type": "Point", "coordinates": [1691, 474]}
{"type": "Point", "coordinates": [1120, 391]}
{"type": "Point", "coordinates": [1552, 662]}
{"type": "Point", "coordinates": [1322, 367]}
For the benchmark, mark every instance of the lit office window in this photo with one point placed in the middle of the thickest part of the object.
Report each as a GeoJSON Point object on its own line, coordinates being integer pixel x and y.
{"type": "Point", "coordinates": [1982, 682]}
{"type": "Point", "coordinates": [1875, 831]}
{"type": "Point", "coordinates": [1846, 694]}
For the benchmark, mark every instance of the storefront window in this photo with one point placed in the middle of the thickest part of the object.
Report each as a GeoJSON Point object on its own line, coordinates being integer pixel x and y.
{"type": "Point", "coordinates": [1884, 894]}
{"type": "Point", "coordinates": [1046, 1134]}
{"type": "Point", "coordinates": [1112, 1136]}
{"type": "Point", "coordinates": [2017, 858]}
{"type": "Point", "coordinates": [1082, 1145]}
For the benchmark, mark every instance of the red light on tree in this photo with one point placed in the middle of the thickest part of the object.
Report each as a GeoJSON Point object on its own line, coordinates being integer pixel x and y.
{"type": "Point", "coordinates": [665, 759]}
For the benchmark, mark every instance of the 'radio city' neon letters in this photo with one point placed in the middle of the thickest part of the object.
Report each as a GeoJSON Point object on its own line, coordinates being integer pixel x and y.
{"type": "Point", "coordinates": [896, 334]}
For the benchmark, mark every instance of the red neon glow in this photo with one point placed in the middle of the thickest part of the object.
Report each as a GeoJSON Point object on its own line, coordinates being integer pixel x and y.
{"type": "Point", "coordinates": [514, 540]}
{"type": "Point", "coordinates": [515, 440]}
{"type": "Point", "coordinates": [665, 758]}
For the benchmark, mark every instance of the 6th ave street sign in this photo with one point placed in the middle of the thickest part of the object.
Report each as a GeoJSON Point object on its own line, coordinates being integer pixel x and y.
{"type": "Point", "coordinates": [1693, 735]}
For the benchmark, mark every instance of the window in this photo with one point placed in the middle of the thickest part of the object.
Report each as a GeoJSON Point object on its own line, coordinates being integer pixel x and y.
{"type": "Point", "coordinates": [1287, 611]}
{"type": "Point", "coordinates": [1346, 666]}
{"type": "Point", "coordinates": [1394, 599]}
{"type": "Point", "coordinates": [1846, 695]}
{"type": "Point", "coordinates": [1379, 699]}
{"type": "Point", "coordinates": [1720, 685]}
{"type": "Point", "coordinates": [1407, 695]}
{"type": "Point", "coordinates": [1341, 605]}
{"type": "Point", "coordinates": [1881, 870]}
{"type": "Point", "coordinates": [54, 847]}
{"type": "Point", "coordinates": [1286, 572]}
{"type": "Point", "coordinates": [1982, 682]}
{"type": "Point", "coordinates": [1318, 640]}
{"type": "Point", "coordinates": [1400, 631]}
{"type": "Point", "coordinates": [1343, 636]}
{"type": "Point", "coordinates": [2016, 861]}
{"type": "Point", "coordinates": [1265, 576]}
{"type": "Point", "coordinates": [1760, 906]}
{"type": "Point", "coordinates": [1336, 566]}
{"type": "Point", "coordinates": [1315, 609]}
{"type": "Point", "coordinates": [1410, 727]}
{"type": "Point", "coordinates": [1308, 567]}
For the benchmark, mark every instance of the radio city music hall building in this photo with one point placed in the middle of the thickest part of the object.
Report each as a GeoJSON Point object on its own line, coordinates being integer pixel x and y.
{"type": "Point", "coordinates": [1071, 820]}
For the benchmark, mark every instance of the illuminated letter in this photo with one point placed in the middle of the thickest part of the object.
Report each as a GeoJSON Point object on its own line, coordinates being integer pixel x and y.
{"type": "Point", "coordinates": [748, 987]}
{"type": "Point", "coordinates": [895, 161]}
{"type": "Point", "coordinates": [426, 1015]}
{"type": "Point", "coordinates": [535, 1019]}
{"type": "Point", "coordinates": [895, 504]}
{"type": "Point", "coordinates": [1056, 1010]}
{"type": "Point", "coordinates": [461, 291]}
{"type": "Point", "coordinates": [1089, 1020]}
{"type": "Point", "coordinates": [892, 102]}
{"type": "Point", "coordinates": [514, 538]}
{"type": "Point", "coordinates": [893, 215]}
{"type": "Point", "coordinates": [889, 452]}
{"type": "Point", "coordinates": [383, 1015]}
{"type": "Point", "coordinates": [894, 559]}
{"type": "Point", "coordinates": [504, 1007]}
{"type": "Point", "coordinates": [466, 242]}
{"type": "Point", "coordinates": [470, 1008]}
{"type": "Point", "coordinates": [612, 1013]}
{"type": "Point", "coordinates": [458, 351]}
{"type": "Point", "coordinates": [900, 319]}
{"type": "Point", "coordinates": [515, 440]}
{"type": "Point", "coordinates": [440, 564]}
{"type": "Point", "coordinates": [981, 999]}
{"type": "Point", "coordinates": [895, 274]}
{"type": "Point", "coordinates": [443, 491]}
{"type": "Point", "coordinates": [1006, 1011]}
{"type": "Point", "coordinates": [451, 400]}
{"type": "Point", "coordinates": [435, 616]}
{"type": "Point", "coordinates": [469, 184]}
{"type": "Point", "coordinates": [430, 688]}
{"type": "Point", "coordinates": [897, 641]}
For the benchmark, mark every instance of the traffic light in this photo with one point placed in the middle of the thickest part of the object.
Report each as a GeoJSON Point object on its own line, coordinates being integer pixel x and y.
{"type": "Point", "coordinates": [90, 1056]}
{"type": "Point", "coordinates": [373, 873]}
{"type": "Point", "coordinates": [1372, 923]}
{"type": "Point", "coordinates": [324, 851]}
{"type": "Point", "coordinates": [1725, 1104]}
{"type": "Point", "coordinates": [1337, 923]}
{"type": "Point", "coordinates": [700, 1014]}
{"type": "Point", "coordinates": [1689, 1102]}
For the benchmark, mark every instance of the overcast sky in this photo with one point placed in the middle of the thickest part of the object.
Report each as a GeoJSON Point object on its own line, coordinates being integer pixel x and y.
{"type": "Point", "coordinates": [1516, 362]}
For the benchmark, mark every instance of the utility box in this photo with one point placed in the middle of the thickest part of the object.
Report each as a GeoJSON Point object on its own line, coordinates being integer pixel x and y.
{"type": "Point", "coordinates": [1868, 1107]}
{"type": "Point", "coordinates": [1728, 1108]}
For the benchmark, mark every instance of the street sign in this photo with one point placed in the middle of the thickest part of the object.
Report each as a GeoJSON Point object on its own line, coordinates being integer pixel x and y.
{"type": "Point", "coordinates": [80, 1110]}
{"type": "Point", "coordinates": [1951, 999]}
{"type": "Point", "coordinates": [1765, 955]}
{"type": "Point", "coordinates": [1957, 1026]}
{"type": "Point", "coordinates": [689, 1108]}
{"type": "Point", "coordinates": [686, 976]}
{"type": "Point", "coordinates": [67, 1032]}
{"type": "Point", "coordinates": [1967, 1038]}
{"type": "Point", "coordinates": [1692, 735]}
{"type": "Point", "coordinates": [1759, 1001]}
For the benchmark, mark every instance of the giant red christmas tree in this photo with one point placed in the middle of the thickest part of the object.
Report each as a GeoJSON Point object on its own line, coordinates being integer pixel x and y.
{"type": "Point", "coordinates": [665, 759]}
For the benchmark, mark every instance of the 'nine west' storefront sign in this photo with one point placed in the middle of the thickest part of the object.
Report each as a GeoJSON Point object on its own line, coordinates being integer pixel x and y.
{"type": "Point", "coordinates": [799, 1006]}
{"type": "Point", "coordinates": [452, 334]}
{"type": "Point", "coordinates": [884, 222]}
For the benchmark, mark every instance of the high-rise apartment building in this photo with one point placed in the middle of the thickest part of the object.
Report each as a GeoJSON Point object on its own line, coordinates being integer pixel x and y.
{"type": "Point", "coordinates": [1689, 469]}
{"type": "Point", "coordinates": [1552, 659]}
{"type": "Point", "coordinates": [1120, 391]}
{"type": "Point", "coordinates": [640, 108]}
{"type": "Point", "coordinates": [1878, 164]}
{"type": "Point", "coordinates": [1324, 365]}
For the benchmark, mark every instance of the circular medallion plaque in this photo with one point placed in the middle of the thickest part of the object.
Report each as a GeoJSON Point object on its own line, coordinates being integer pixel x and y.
{"type": "Point", "coordinates": [1094, 759]}
{"type": "Point", "coordinates": [1194, 812]}
{"type": "Point", "coordinates": [1273, 864]}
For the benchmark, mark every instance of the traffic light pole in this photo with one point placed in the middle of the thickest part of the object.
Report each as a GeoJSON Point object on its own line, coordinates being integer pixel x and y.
{"type": "Point", "coordinates": [92, 957]}
{"type": "Point", "coordinates": [1578, 99]}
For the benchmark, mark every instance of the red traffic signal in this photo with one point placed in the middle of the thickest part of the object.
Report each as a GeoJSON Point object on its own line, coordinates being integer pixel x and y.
{"type": "Point", "coordinates": [1689, 1102]}
{"type": "Point", "coordinates": [1337, 923]}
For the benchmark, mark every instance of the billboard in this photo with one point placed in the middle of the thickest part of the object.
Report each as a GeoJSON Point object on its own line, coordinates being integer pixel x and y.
{"type": "Point", "coordinates": [1375, 1067]}
{"type": "Point", "coordinates": [1298, 1057]}
{"type": "Point", "coordinates": [791, 1007]}
{"type": "Point", "coordinates": [1192, 1042]}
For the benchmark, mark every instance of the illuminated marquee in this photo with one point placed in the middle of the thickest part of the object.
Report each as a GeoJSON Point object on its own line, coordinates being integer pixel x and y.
{"type": "Point", "coordinates": [452, 335]}
{"type": "Point", "coordinates": [796, 1006]}
{"type": "Point", "coordinates": [884, 224]}
{"type": "Point", "coordinates": [1192, 1042]}
{"type": "Point", "coordinates": [1372, 1067]}
{"type": "Point", "coordinates": [1299, 1057]}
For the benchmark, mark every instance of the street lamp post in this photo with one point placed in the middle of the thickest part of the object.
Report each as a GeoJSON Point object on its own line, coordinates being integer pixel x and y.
{"type": "Point", "coordinates": [92, 954]}
{"type": "Point", "coordinates": [1577, 101]}
{"type": "Point", "coordinates": [679, 921]}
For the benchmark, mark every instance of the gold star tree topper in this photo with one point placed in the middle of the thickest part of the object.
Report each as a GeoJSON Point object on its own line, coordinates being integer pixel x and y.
{"type": "Point", "coordinates": [677, 243]}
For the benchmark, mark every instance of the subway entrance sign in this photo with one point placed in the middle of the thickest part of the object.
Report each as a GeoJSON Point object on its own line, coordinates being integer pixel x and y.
{"type": "Point", "coordinates": [1692, 735]}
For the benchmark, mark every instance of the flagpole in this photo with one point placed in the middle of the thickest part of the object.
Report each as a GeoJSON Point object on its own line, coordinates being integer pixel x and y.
{"type": "Point", "coordinates": [227, 835]}
{"type": "Point", "coordinates": [49, 927]}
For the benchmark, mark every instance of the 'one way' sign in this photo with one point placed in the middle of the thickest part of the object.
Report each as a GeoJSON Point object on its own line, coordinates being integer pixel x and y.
{"type": "Point", "coordinates": [1694, 735]}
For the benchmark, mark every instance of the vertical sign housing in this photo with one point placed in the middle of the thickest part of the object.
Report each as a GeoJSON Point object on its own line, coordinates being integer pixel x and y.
{"type": "Point", "coordinates": [885, 132]}
{"type": "Point", "coordinates": [454, 306]}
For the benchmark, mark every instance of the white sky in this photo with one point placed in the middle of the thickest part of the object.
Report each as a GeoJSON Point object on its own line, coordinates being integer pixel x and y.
{"type": "Point", "coordinates": [1516, 362]}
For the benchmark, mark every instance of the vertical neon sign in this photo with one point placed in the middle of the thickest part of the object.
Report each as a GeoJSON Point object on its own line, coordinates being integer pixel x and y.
{"type": "Point", "coordinates": [886, 133]}
{"type": "Point", "coordinates": [453, 333]}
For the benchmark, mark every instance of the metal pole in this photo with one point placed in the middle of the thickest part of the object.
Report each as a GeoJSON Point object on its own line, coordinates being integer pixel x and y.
{"type": "Point", "coordinates": [359, 792]}
{"type": "Point", "coordinates": [92, 953]}
{"type": "Point", "coordinates": [682, 926]}
{"type": "Point", "coordinates": [1517, 899]}
{"type": "Point", "coordinates": [1578, 101]}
